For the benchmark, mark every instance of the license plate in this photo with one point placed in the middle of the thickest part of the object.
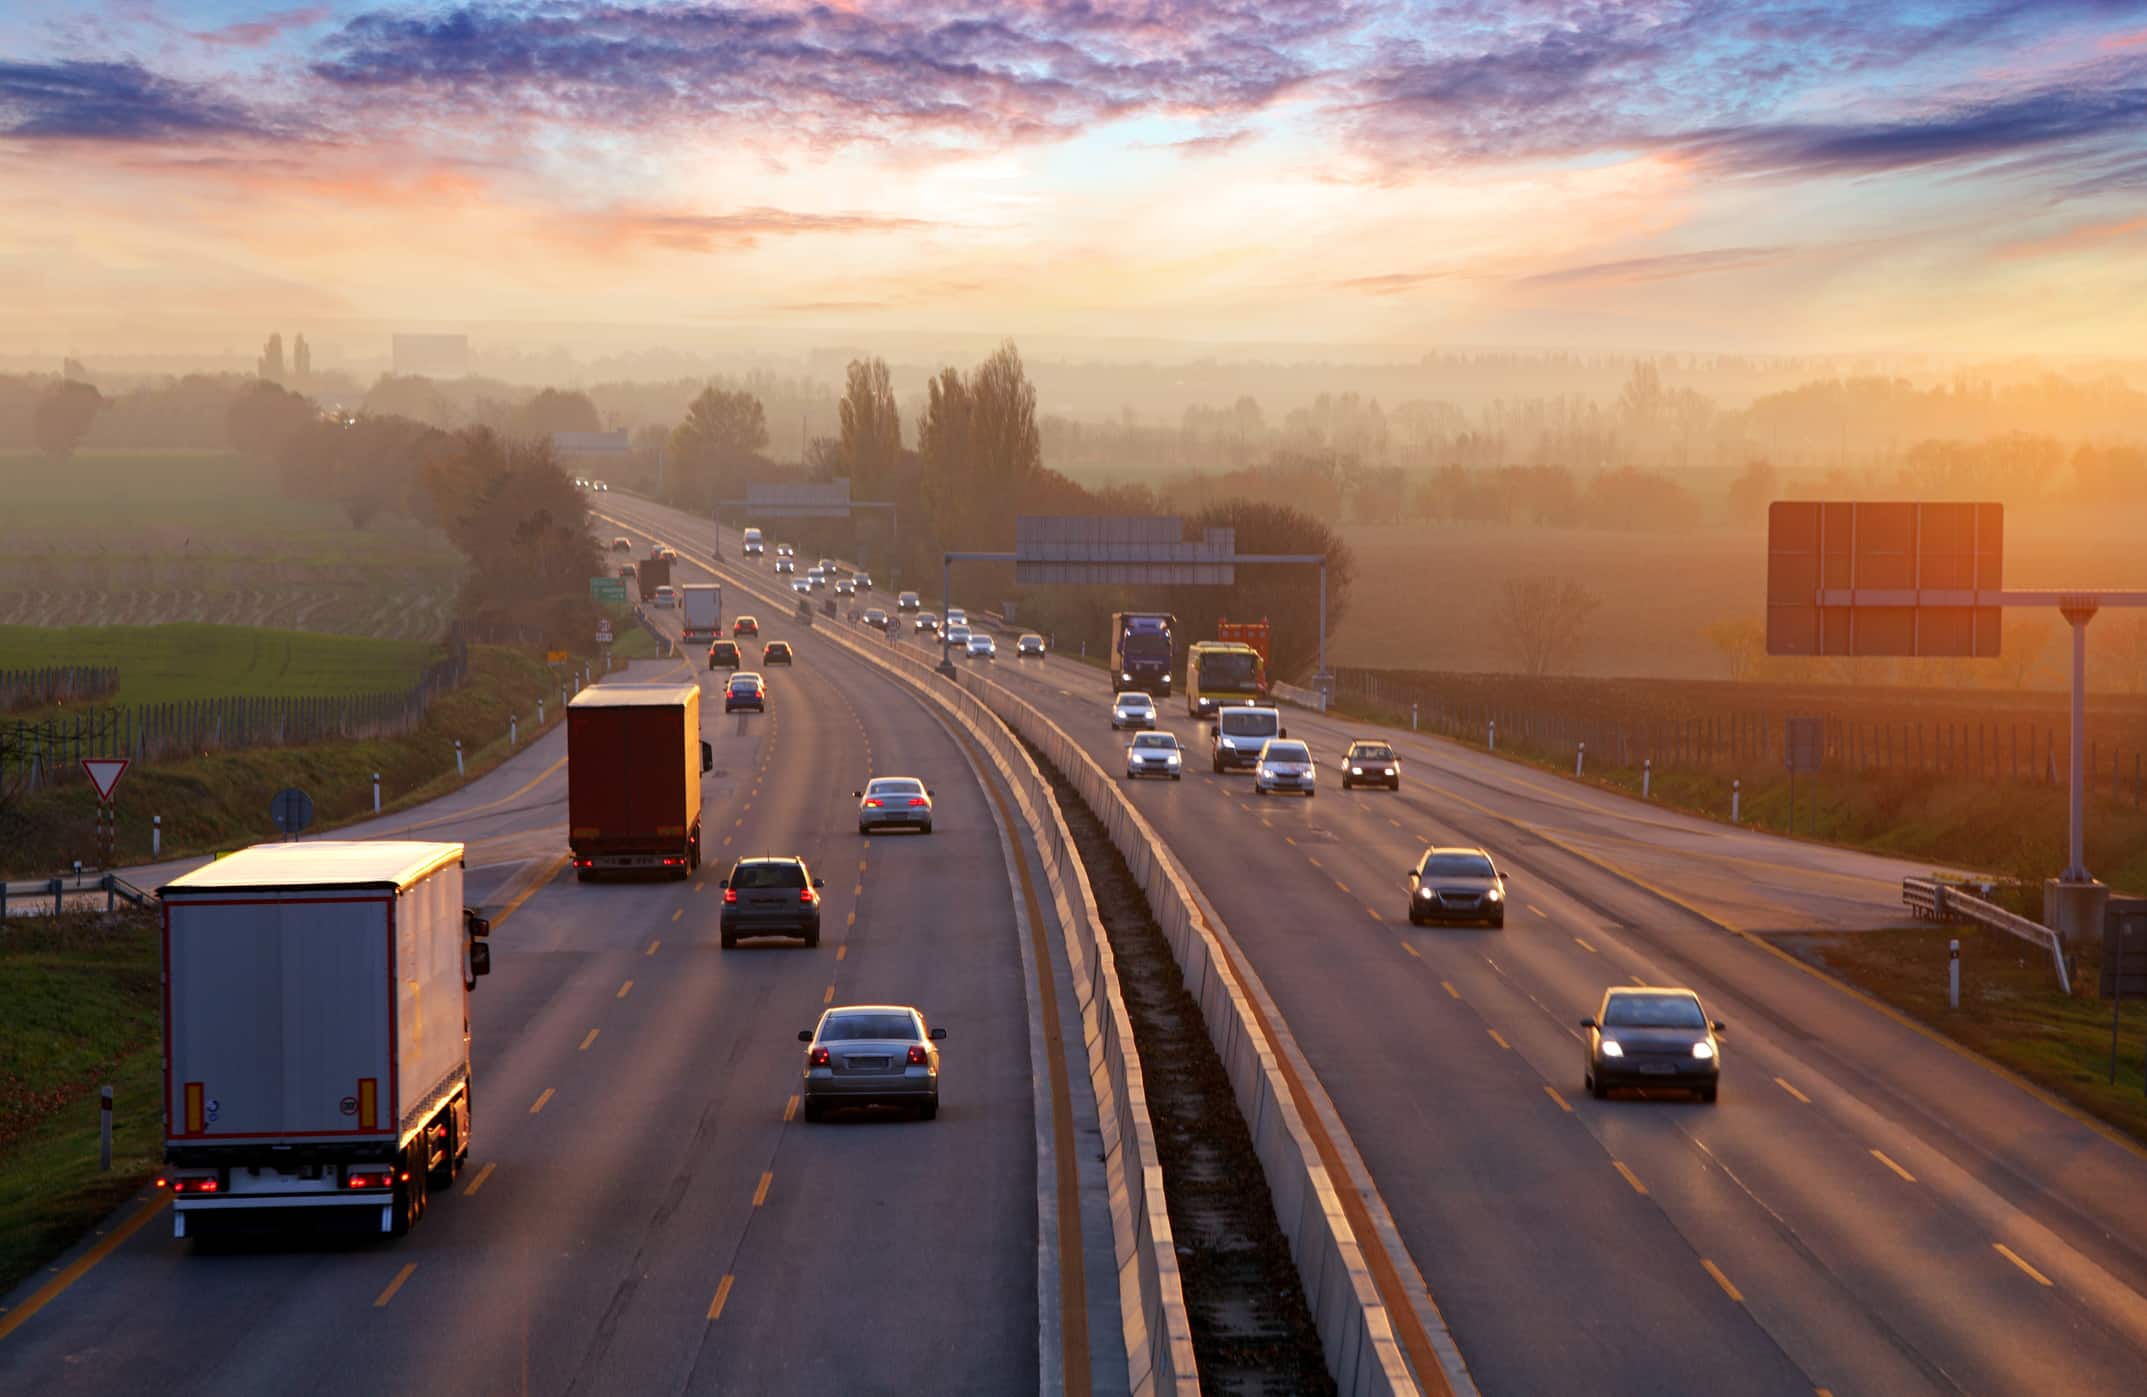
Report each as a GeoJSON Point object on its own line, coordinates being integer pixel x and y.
{"type": "Point", "coordinates": [872, 1063]}
{"type": "Point", "coordinates": [1658, 1069]}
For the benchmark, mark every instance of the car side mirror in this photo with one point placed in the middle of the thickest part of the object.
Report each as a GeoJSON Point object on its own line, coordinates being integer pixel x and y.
{"type": "Point", "coordinates": [1505, 877]}
{"type": "Point", "coordinates": [1282, 732]}
{"type": "Point", "coordinates": [723, 882]}
{"type": "Point", "coordinates": [939, 1033]}
{"type": "Point", "coordinates": [859, 794]}
{"type": "Point", "coordinates": [819, 882]}
{"type": "Point", "coordinates": [805, 1035]}
{"type": "Point", "coordinates": [476, 925]}
{"type": "Point", "coordinates": [1718, 1027]}
{"type": "Point", "coordinates": [480, 958]}
{"type": "Point", "coordinates": [708, 758]}
{"type": "Point", "coordinates": [1587, 1023]}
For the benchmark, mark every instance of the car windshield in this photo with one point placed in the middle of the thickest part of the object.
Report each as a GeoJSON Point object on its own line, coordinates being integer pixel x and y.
{"type": "Point", "coordinates": [1458, 866]}
{"type": "Point", "coordinates": [1250, 724]}
{"type": "Point", "coordinates": [1229, 671]}
{"type": "Point", "coordinates": [1371, 752]}
{"type": "Point", "coordinates": [894, 788]}
{"type": "Point", "coordinates": [850, 1028]}
{"type": "Point", "coordinates": [1653, 1011]}
{"type": "Point", "coordinates": [1287, 752]}
{"type": "Point", "coordinates": [1032, 640]}
{"type": "Point", "coordinates": [1135, 701]}
{"type": "Point", "coordinates": [769, 873]}
{"type": "Point", "coordinates": [1147, 647]}
{"type": "Point", "coordinates": [1163, 740]}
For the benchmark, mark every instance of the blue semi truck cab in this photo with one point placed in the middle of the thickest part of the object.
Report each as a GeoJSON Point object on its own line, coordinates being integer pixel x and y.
{"type": "Point", "coordinates": [1144, 650]}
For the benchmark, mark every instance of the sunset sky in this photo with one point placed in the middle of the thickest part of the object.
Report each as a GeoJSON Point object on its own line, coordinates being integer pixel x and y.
{"type": "Point", "coordinates": [1681, 174]}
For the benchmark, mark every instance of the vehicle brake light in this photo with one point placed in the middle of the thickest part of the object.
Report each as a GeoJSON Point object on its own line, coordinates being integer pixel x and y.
{"type": "Point", "coordinates": [820, 1057]}
{"type": "Point", "coordinates": [672, 863]}
{"type": "Point", "coordinates": [872, 802]}
{"type": "Point", "coordinates": [730, 894]}
{"type": "Point", "coordinates": [917, 800]}
{"type": "Point", "coordinates": [370, 1178]}
{"type": "Point", "coordinates": [918, 1057]}
{"type": "Point", "coordinates": [202, 1185]}
{"type": "Point", "coordinates": [805, 894]}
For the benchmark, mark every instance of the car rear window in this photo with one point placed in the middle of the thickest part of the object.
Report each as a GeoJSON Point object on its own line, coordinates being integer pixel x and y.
{"type": "Point", "coordinates": [1458, 866]}
{"type": "Point", "coordinates": [1653, 1011]}
{"type": "Point", "coordinates": [744, 684]}
{"type": "Point", "coordinates": [841, 1028]}
{"type": "Point", "coordinates": [895, 788]}
{"type": "Point", "coordinates": [775, 873]}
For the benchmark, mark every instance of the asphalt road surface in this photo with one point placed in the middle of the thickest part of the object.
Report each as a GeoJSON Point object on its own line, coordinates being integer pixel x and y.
{"type": "Point", "coordinates": [1866, 1209]}
{"type": "Point", "coordinates": [644, 1211]}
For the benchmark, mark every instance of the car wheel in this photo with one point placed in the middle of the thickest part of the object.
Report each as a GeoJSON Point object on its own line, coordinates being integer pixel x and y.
{"type": "Point", "coordinates": [1595, 1086]}
{"type": "Point", "coordinates": [730, 940]}
{"type": "Point", "coordinates": [815, 1112]}
{"type": "Point", "coordinates": [1258, 789]}
{"type": "Point", "coordinates": [929, 1110]}
{"type": "Point", "coordinates": [812, 938]}
{"type": "Point", "coordinates": [583, 875]}
{"type": "Point", "coordinates": [1177, 776]}
{"type": "Point", "coordinates": [927, 826]}
{"type": "Point", "coordinates": [1707, 1094]}
{"type": "Point", "coordinates": [1498, 923]}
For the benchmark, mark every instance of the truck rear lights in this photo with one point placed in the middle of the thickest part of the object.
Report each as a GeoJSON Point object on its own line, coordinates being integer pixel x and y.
{"type": "Point", "coordinates": [673, 863]}
{"type": "Point", "coordinates": [585, 863]}
{"type": "Point", "coordinates": [204, 1184]}
{"type": "Point", "coordinates": [918, 1057]}
{"type": "Point", "coordinates": [369, 1179]}
{"type": "Point", "coordinates": [819, 1057]}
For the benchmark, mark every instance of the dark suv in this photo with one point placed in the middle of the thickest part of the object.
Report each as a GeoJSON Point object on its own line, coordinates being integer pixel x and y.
{"type": "Point", "coordinates": [771, 897]}
{"type": "Point", "coordinates": [723, 654]}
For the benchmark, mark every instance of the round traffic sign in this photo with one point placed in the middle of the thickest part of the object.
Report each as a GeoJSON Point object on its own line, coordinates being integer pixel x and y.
{"type": "Point", "coordinates": [292, 810]}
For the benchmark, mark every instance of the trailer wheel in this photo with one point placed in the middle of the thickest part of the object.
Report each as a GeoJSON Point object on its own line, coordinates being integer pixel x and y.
{"type": "Point", "coordinates": [442, 1175]}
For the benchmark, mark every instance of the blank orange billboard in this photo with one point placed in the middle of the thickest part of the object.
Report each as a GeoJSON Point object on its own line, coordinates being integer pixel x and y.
{"type": "Point", "coordinates": [1890, 578]}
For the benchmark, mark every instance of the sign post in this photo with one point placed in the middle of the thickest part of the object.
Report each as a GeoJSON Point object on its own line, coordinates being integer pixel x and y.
{"type": "Point", "coordinates": [104, 774]}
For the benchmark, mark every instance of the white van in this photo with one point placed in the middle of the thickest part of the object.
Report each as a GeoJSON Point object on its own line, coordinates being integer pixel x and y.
{"type": "Point", "coordinates": [753, 546]}
{"type": "Point", "coordinates": [1239, 734]}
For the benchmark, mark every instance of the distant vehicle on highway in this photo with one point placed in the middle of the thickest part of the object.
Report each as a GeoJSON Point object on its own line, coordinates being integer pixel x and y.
{"type": "Point", "coordinates": [746, 690]}
{"type": "Point", "coordinates": [863, 581]}
{"type": "Point", "coordinates": [775, 652]}
{"type": "Point", "coordinates": [785, 565]}
{"type": "Point", "coordinates": [1652, 1036]}
{"type": "Point", "coordinates": [752, 545]}
{"type": "Point", "coordinates": [1457, 885]}
{"type": "Point", "coordinates": [957, 616]}
{"type": "Point", "coordinates": [770, 897]}
{"type": "Point", "coordinates": [700, 606]}
{"type": "Point", "coordinates": [784, 550]}
{"type": "Point", "coordinates": [1132, 710]}
{"type": "Point", "coordinates": [874, 616]}
{"type": "Point", "coordinates": [1222, 674]}
{"type": "Point", "coordinates": [926, 621]}
{"type": "Point", "coordinates": [802, 586]}
{"type": "Point", "coordinates": [901, 802]}
{"type": "Point", "coordinates": [1240, 733]}
{"type": "Point", "coordinates": [907, 601]}
{"type": "Point", "coordinates": [746, 625]}
{"type": "Point", "coordinates": [815, 579]}
{"type": "Point", "coordinates": [845, 587]}
{"type": "Point", "coordinates": [626, 570]}
{"type": "Point", "coordinates": [723, 654]}
{"type": "Point", "coordinates": [1155, 754]}
{"type": "Point", "coordinates": [291, 1079]}
{"type": "Point", "coordinates": [957, 634]}
{"type": "Point", "coordinates": [1370, 762]}
{"type": "Point", "coordinates": [1285, 764]}
{"type": "Point", "coordinates": [1143, 651]}
{"type": "Point", "coordinates": [983, 647]}
{"type": "Point", "coordinates": [871, 1054]}
{"type": "Point", "coordinates": [622, 544]}
{"type": "Point", "coordinates": [1030, 646]}
{"type": "Point", "coordinates": [665, 598]}
{"type": "Point", "coordinates": [633, 788]}
{"type": "Point", "coordinates": [599, 485]}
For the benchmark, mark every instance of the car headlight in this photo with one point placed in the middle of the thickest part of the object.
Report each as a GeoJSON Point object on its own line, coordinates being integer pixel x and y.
{"type": "Point", "coordinates": [1389, 771]}
{"type": "Point", "coordinates": [1703, 1049]}
{"type": "Point", "coordinates": [1611, 1048]}
{"type": "Point", "coordinates": [1172, 759]}
{"type": "Point", "coordinates": [1125, 678]}
{"type": "Point", "coordinates": [1423, 892]}
{"type": "Point", "coordinates": [1356, 771]}
{"type": "Point", "coordinates": [1494, 896]}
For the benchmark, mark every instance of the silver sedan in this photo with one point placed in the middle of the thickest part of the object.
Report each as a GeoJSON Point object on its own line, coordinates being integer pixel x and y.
{"type": "Point", "coordinates": [871, 1054]}
{"type": "Point", "coordinates": [894, 802]}
{"type": "Point", "coordinates": [1132, 709]}
{"type": "Point", "coordinates": [1155, 754]}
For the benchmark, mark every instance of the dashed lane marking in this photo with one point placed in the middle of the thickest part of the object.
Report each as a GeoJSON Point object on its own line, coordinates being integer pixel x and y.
{"type": "Point", "coordinates": [1563, 1104]}
{"type": "Point", "coordinates": [652, 946]}
{"type": "Point", "coordinates": [723, 1293]}
{"type": "Point", "coordinates": [790, 1109]}
{"type": "Point", "coordinates": [1792, 1091]}
{"type": "Point", "coordinates": [1448, 986]}
{"type": "Point", "coordinates": [1724, 1281]}
{"type": "Point", "coordinates": [2010, 1255]}
{"type": "Point", "coordinates": [394, 1285]}
{"type": "Point", "coordinates": [829, 997]}
{"type": "Point", "coordinates": [625, 990]}
{"type": "Point", "coordinates": [1499, 1040]}
{"type": "Point", "coordinates": [1584, 946]}
{"type": "Point", "coordinates": [677, 912]}
{"type": "Point", "coordinates": [479, 1182]}
{"type": "Point", "coordinates": [538, 1104]}
{"type": "Point", "coordinates": [760, 1194]}
{"type": "Point", "coordinates": [1412, 950]}
{"type": "Point", "coordinates": [589, 1038]}
{"type": "Point", "coordinates": [1881, 1157]}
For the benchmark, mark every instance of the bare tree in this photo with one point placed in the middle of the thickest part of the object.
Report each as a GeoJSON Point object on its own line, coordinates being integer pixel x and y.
{"type": "Point", "coordinates": [1541, 621]}
{"type": "Point", "coordinates": [871, 427]}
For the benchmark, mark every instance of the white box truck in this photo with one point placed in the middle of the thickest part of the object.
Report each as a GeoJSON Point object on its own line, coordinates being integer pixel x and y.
{"type": "Point", "coordinates": [317, 1032]}
{"type": "Point", "coordinates": [701, 609]}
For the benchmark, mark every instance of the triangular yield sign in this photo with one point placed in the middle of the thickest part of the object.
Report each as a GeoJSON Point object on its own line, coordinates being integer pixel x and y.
{"type": "Point", "coordinates": [104, 773]}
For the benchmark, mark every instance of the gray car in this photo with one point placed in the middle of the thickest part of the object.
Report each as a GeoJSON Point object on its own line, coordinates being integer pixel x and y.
{"type": "Point", "coordinates": [871, 1054]}
{"type": "Point", "coordinates": [1155, 754]}
{"type": "Point", "coordinates": [1650, 1036]}
{"type": "Point", "coordinates": [1285, 764]}
{"type": "Point", "coordinates": [1457, 885]}
{"type": "Point", "coordinates": [771, 897]}
{"type": "Point", "coordinates": [1132, 709]}
{"type": "Point", "coordinates": [894, 802]}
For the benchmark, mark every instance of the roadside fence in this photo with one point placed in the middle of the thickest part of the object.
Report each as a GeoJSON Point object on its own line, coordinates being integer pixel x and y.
{"type": "Point", "coordinates": [39, 688]}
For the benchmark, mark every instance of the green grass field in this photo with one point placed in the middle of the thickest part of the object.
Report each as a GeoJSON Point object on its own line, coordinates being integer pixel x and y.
{"type": "Point", "coordinates": [158, 664]}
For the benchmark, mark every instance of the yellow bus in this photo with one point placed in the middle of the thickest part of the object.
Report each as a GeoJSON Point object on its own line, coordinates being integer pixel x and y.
{"type": "Point", "coordinates": [1222, 672]}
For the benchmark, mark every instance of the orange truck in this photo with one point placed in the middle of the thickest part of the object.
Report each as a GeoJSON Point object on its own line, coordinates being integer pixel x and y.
{"type": "Point", "coordinates": [1253, 633]}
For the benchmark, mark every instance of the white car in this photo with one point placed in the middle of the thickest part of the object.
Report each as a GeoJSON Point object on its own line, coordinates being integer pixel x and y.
{"type": "Point", "coordinates": [1285, 764]}
{"type": "Point", "coordinates": [802, 586]}
{"type": "Point", "coordinates": [1155, 754]}
{"type": "Point", "coordinates": [957, 634]}
{"type": "Point", "coordinates": [783, 564]}
{"type": "Point", "coordinates": [1132, 710]}
{"type": "Point", "coordinates": [983, 647]}
{"type": "Point", "coordinates": [666, 598]}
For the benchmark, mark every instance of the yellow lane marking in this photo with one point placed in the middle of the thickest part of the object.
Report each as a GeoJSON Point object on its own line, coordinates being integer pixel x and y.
{"type": "Point", "coordinates": [829, 997]}
{"type": "Point", "coordinates": [1880, 1156]}
{"type": "Point", "coordinates": [587, 1041]}
{"type": "Point", "coordinates": [1344, 887]}
{"type": "Point", "coordinates": [677, 912]}
{"type": "Point", "coordinates": [857, 890]}
{"type": "Point", "coordinates": [698, 885]}
{"type": "Point", "coordinates": [1314, 861]}
{"type": "Point", "coordinates": [1537, 910]}
{"type": "Point", "coordinates": [538, 1105]}
{"type": "Point", "coordinates": [723, 1293]}
{"type": "Point", "coordinates": [760, 1195]}
{"type": "Point", "coordinates": [1792, 1091]}
{"type": "Point", "coordinates": [861, 865]}
{"type": "Point", "coordinates": [1724, 1281]}
{"type": "Point", "coordinates": [1448, 986]}
{"type": "Point", "coordinates": [1640, 1188]}
{"type": "Point", "coordinates": [868, 844]}
{"type": "Point", "coordinates": [652, 946]}
{"type": "Point", "coordinates": [2010, 1255]}
{"type": "Point", "coordinates": [850, 919]}
{"type": "Point", "coordinates": [479, 1182]}
{"type": "Point", "coordinates": [790, 1108]}
{"type": "Point", "coordinates": [842, 952]}
{"type": "Point", "coordinates": [1640, 979]}
{"type": "Point", "coordinates": [624, 990]}
{"type": "Point", "coordinates": [1289, 841]}
{"type": "Point", "coordinates": [726, 841]}
{"type": "Point", "coordinates": [1498, 1040]}
{"type": "Point", "coordinates": [76, 1269]}
{"type": "Point", "coordinates": [1563, 1104]}
{"type": "Point", "coordinates": [1373, 913]}
{"type": "Point", "coordinates": [395, 1285]}
{"type": "Point", "coordinates": [1412, 950]}
{"type": "Point", "coordinates": [1584, 946]}
{"type": "Point", "coordinates": [1266, 823]}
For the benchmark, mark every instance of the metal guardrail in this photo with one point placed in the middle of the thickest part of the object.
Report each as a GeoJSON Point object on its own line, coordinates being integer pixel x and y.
{"type": "Point", "coordinates": [33, 893]}
{"type": "Point", "coordinates": [1303, 698]}
{"type": "Point", "coordinates": [1944, 900]}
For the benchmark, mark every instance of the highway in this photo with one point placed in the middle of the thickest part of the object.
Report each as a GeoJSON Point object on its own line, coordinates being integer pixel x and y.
{"type": "Point", "coordinates": [644, 1211]}
{"type": "Point", "coordinates": [1867, 1209]}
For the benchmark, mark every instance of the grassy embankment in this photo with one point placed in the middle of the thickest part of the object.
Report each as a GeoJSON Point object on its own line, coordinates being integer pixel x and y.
{"type": "Point", "coordinates": [80, 998]}
{"type": "Point", "coordinates": [163, 663]}
{"type": "Point", "coordinates": [220, 800]}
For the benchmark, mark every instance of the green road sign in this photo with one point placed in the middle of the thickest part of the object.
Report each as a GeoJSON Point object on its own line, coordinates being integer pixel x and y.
{"type": "Point", "coordinates": [608, 589]}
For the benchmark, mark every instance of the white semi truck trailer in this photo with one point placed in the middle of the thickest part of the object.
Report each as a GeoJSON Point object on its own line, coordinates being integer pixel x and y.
{"type": "Point", "coordinates": [317, 1032]}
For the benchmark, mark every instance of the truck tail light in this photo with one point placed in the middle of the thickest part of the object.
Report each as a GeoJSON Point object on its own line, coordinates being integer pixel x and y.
{"type": "Point", "coordinates": [730, 895]}
{"type": "Point", "coordinates": [672, 863]}
{"type": "Point", "coordinates": [205, 1184]}
{"type": "Point", "coordinates": [819, 1057]}
{"type": "Point", "coordinates": [918, 1057]}
{"type": "Point", "coordinates": [369, 1178]}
